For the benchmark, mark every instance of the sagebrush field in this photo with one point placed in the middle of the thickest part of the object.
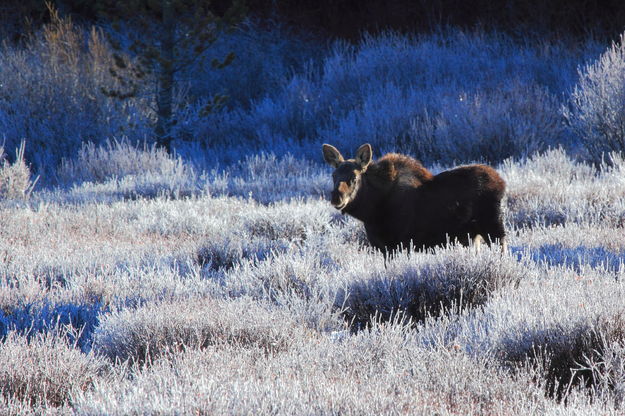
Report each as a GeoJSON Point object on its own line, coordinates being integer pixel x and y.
{"type": "Point", "coordinates": [219, 279]}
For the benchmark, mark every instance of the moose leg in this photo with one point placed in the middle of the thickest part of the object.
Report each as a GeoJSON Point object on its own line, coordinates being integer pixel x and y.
{"type": "Point", "coordinates": [494, 232]}
{"type": "Point", "coordinates": [477, 242]}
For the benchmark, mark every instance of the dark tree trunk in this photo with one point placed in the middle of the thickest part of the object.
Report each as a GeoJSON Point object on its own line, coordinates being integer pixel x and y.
{"type": "Point", "coordinates": [164, 99]}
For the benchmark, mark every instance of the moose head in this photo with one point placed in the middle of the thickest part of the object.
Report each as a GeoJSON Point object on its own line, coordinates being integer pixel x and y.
{"type": "Point", "coordinates": [347, 174]}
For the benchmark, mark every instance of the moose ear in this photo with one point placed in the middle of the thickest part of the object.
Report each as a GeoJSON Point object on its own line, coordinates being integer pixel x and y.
{"type": "Point", "coordinates": [332, 156]}
{"type": "Point", "coordinates": [364, 156]}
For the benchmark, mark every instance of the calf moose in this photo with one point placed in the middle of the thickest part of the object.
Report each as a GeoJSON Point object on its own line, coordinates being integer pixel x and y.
{"type": "Point", "coordinates": [402, 204]}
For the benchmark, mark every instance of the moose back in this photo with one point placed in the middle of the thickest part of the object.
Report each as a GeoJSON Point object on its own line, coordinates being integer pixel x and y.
{"type": "Point", "coordinates": [402, 204]}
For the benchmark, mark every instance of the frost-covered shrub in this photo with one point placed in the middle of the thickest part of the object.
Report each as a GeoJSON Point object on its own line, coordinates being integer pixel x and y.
{"type": "Point", "coordinates": [378, 372]}
{"type": "Point", "coordinates": [116, 159]}
{"type": "Point", "coordinates": [555, 319]}
{"type": "Point", "coordinates": [297, 280]}
{"type": "Point", "coordinates": [552, 189]}
{"type": "Point", "coordinates": [419, 285]}
{"type": "Point", "coordinates": [152, 330]}
{"type": "Point", "coordinates": [450, 96]}
{"type": "Point", "coordinates": [291, 274]}
{"type": "Point", "coordinates": [445, 127]}
{"type": "Point", "coordinates": [42, 372]}
{"type": "Point", "coordinates": [264, 231]}
{"type": "Point", "coordinates": [607, 372]}
{"type": "Point", "coordinates": [15, 177]}
{"type": "Point", "coordinates": [121, 170]}
{"type": "Point", "coordinates": [517, 120]}
{"type": "Point", "coordinates": [595, 109]}
{"type": "Point", "coordinates": [560, 355]}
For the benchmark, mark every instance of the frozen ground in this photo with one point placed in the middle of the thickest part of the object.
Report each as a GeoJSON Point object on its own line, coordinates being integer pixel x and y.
{"type": "Point", "coordinates": [237, 299]}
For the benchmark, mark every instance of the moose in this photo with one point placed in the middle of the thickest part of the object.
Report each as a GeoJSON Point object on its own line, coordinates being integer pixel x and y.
{"type": "Point", "coordinates": [404, 205]}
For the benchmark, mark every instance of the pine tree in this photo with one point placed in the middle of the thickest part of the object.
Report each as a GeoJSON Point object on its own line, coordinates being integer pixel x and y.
{"type": "Point", "coordinates": [171, 35]}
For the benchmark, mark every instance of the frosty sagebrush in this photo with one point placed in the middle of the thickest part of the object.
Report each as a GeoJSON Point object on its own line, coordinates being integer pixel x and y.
{"type": "Point", "coordinates": [594, 111]}
{"type": "Point", "coordinates": [16, 181]}
{"type": "Point", "coordinates": [302, 263]}
{"type": "Point", "coordinates": [378, 372]}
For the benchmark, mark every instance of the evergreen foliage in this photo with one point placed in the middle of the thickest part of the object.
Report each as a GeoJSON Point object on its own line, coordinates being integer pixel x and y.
{"type": "Point", "coordinates": [172, 35]}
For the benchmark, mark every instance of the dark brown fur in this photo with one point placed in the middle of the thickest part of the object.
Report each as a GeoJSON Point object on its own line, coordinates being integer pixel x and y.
{"type": "Point", "coordinates": [401, 203]}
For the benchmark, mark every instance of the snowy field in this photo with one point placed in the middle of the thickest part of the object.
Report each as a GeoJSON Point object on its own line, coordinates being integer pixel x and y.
{"type": "Point", "coordinates": [221, 281]}
{"type": "Point", "coordinates": [216, 303]}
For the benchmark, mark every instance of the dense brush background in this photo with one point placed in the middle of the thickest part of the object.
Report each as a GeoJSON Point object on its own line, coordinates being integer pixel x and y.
{"type": "Point", "coordinates": [218, 280]}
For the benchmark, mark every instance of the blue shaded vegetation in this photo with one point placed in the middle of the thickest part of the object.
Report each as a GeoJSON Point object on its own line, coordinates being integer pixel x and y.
{"type": "Point", "coordinates": [445, 98]}
{"type": "Point", "coordinates": [76, 320]}
{"type": "Point", "coordinates": [578, 257]}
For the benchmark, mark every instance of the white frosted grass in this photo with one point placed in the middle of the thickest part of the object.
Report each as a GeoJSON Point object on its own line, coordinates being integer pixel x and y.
{"type": "Point", "coordinates": [148, 332]}
{"type": "Point", "coordinates": [119, 170]}
{"type": "Point", "coordinates": [552, 189]}
{"type": "Point", "coordinates": [608, 371]}
{"type": "Point", "coordinates": [419, 285]}
{"type": "Point", "coordinates": [551, 298]}
{"type": "Point", "coordinates": [51, 239]}
{"type": "Point", "coordinates": [298, 280]}
{"type": "Point", "coordinates": [557, 311]}
{"type": "Point", "coordinates": [39, 374]}
{"type": "Point", "coordinates": [234, 274]}
{"type": "Point", "coordinates": [381, 372]}
{"type": "Point", "coordinates": [118, 158]}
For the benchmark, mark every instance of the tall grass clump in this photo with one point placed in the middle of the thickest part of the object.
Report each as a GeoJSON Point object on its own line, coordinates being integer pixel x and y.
{"type": "Point", "coordinates": [595, 108]}
{"type": "Point", "coordinates": [116, 159]}
{"type": "Point", "coordinates": [15, 177]}
{"type": "Point", "coordinates": [581, 357]}
{"type": "Point", "coordinates": [150, 331]}
{"type": "Point", "coordinates": [607, 370]}
{"type": "Point", "coordinates": [40, 373]}
{"type": "Point", "coordinates": [121, 169]}
{"type": "Point", "coordinates": [420, 285]}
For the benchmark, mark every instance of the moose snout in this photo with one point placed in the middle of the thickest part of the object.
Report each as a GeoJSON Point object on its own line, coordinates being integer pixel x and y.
{"type": "Point", "coordinates": [335, 197]}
